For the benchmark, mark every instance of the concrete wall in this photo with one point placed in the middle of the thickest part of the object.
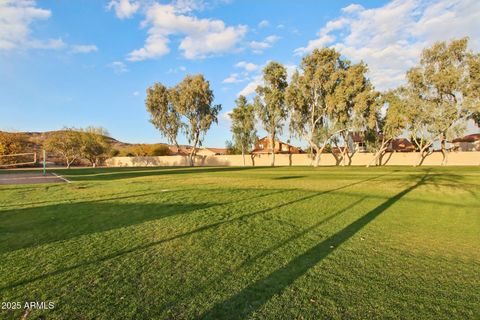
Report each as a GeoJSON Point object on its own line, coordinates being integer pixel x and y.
{"type": "Point", "coordinates": [359, 159]}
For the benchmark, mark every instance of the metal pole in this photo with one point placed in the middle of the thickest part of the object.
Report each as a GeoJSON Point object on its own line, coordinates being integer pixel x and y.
{"type": "Point", "coordinates": [44, 163]}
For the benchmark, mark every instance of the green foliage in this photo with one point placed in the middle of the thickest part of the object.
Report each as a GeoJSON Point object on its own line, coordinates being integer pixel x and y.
{"type": "Point", "coordinates": [144, 150]}
{"type": "Point", "coordinates": [67, 143]}
{"type": "Point", "coordinates": [232, 148]}
{"type": "Point", "coordinates": [94, 144]}
{"type": "Point", "coordinates": [187, 106]}
{"type": "Point", "coordinates": [329, 97]}
{"type": "Point", "coordinates": [243, 125]}
{"type": "Point", "coordinates": [270, 101]}
{"type": "Point", "coordinates": [163, 114]}
{"type": "Point", "coordinates": [161, 150]}
{"type": "Point", "coordinates": [441, 91]}
{"type": "Point", "coordinates": [12, 143]}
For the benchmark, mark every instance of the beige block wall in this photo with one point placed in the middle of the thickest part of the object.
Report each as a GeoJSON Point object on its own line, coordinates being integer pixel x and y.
{"type": "Point", "coordinates": [359, 159]}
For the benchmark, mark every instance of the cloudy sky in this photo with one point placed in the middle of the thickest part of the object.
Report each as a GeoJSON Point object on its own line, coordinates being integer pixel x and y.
{"type": "Point", "coordinates": [78, 63]}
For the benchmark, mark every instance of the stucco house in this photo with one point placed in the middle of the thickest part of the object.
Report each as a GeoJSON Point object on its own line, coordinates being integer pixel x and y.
{"type": "Point", "coordinates": [401, 145]}
{"type": "Point", "coordinates": [263, 146]}
{"type": "Point", "coordinates": [470, 142]}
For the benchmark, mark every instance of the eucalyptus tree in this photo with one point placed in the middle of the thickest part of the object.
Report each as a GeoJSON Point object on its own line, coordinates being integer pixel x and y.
{"type": "Point", "coordinates": [94, 144]}
{"type": "Point", "coordinates": [388, 126]}
{"type": "Point", "coordinates": [270, 102]}
{"type": "Point", "coordinates": [447, 81]}
{"type": "Point", "coordinates": [243, 125]}
{"type": "Point", "coordinates": [163, 114]}
{"type": "Point", "coordinates": [193, 100]}
{"type": "Point", "coordinates": [327, 98]}
{"type": "Point", "coordinates": [356, 107]}
{"type": "Point", "coordinates": [187, 107]}
{"type": "Point", "coordinates": [67, 143]}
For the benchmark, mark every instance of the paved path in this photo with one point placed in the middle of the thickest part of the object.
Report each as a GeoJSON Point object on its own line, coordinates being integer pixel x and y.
{"type": "Point", "coordinates": [30, 178]}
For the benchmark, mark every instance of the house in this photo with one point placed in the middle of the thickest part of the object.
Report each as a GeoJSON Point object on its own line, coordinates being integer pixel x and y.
{"type": "Point", "coordinates": [470, 142]}
{"type": "Point", "coordinates": [357, 141]}
{"type": "Point", "coordinates": [263, 146]}
{"type": "Point", "coordinates": [401, 145]}
{"type": "Point", "coordinates": [182, 150]}
{"type": "Point", "coordinates": [212, 152]}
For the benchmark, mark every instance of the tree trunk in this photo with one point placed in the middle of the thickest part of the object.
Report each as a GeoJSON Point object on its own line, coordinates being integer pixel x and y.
{"type": "Point", "coordinates": [419, 159]}
{"type": "Point", "coordinates": [272, 148]}
{"type": "Point", "coordinates": [317, 159]}
{"type": "Point", "coordinates": [243, 156]}
{"type": "Point", "coordinates": [375, 157]}
{"type": "Point", "coordinates": [194, 151]}
{"type": "Point", "coordinates": [444, 151]}
{"type": "Point", "coordinates": [421, 156]}
{"type": "Point", "coordinates": [344, 156]}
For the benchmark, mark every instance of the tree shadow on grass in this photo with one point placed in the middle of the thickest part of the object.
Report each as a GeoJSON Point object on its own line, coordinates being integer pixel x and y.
{"type": "Point", "coordinates": [253, 297]}
{"type": "Point", "coordinates": [264, 253]}
{"type": "Point", "coordinates": [288, 177]}
{"type": "Point", "coordinates": [36, 226]}
{"type": "Point", "coordinates": [123, 173]}
{"type": "Point", "coordinates": [179, 236]}
{"type": "Point", "coordinates": [23, 228]}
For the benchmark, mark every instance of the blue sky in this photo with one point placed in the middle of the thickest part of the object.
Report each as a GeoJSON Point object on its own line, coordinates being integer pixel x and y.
{"type": "Point", "coordinates": [79, 63]}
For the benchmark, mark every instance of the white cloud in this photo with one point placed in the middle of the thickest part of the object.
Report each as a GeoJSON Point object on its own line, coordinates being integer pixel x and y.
{"type": "Point", "coordinates": [257, 79]}
{"type": "Point", "coordinates": [225, 116]}
{"type": "Point", "coordinates": [263, 24]}
{"type": "Point", "coordinates": [135, 93]}
{"type": "Point", "coordinates": [390, 38]}
{"type": "Point", "coordinates": [201, 37]}
{"type": "Point", "coordinates": [118, 67]}
{"type": "Point", "coordinates": [16, 16]}
{"type": "Point", "coordinates": [124, 8]}
{"type": "Point", "coordinates": [45, 44]}
{"type": "Point", "coordinates": [251, 86]}
{"type": "Point", "coordinates": [248, 66]}
{"type": "Point", "coordinates": [233, 78]}
{"type": "Point", "coordinates": [259, 46]}
{"type": "Point", "coordinates": [352, 8]}
{"type": "Point", "coordinates": [83, 48]}
{"type": "Point", "coordinates": [177, 69]}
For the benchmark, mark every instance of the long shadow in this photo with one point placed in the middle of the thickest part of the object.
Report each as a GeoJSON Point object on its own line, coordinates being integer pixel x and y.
{"type": "Point", "coordinates": [252, 260]}
{"type": "Point", "coordinates": [117, 196]}
{"type": "Point", "coordinates": [120, 173]}
{"type": "Point", "coordinates": [253, 297]}
{"type": "Point", "coordinates": [288, 177]}
{"type": "Point", "coordinates": [179, 236]}
{"type": "Point", "coordinates": [32, 227]}
{"type": "Point", "coordinates": [23, 228]}
{"type": "Point", "coordinates": [128, 195]}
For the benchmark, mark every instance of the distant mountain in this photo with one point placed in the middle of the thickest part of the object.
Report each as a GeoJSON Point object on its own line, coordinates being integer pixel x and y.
{"type": "Point", "coordinates": [36, 140]}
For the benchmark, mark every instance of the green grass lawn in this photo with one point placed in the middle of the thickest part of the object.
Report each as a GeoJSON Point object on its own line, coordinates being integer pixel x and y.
{"type": "Point", "coordinates": [235, 243]}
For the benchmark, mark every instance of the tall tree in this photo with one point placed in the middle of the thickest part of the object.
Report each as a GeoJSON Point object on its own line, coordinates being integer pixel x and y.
{"type": "Point", "coordinates": [67, 143]}
{"type": "Point", "coordinates": [163, 114]}
{"type": "Point", "coordinates": [270, 102]}
{"type": "Point", "coordinates": [387, 126]}
{"type": "Point", "coordinates": [472, 94]}
{"type": "Point", "coordinates": [443, 79]}
{"type": "Point", "coordinates": [95, 145]}
{"type": "Point", "coordinates": [243, 125]}
{"type": "Point", "coordinates": [327, 98]}
{"type": "Point", "coordinates": [192, 99]}
{"type": "Point", "coordinates": [187, 107]}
